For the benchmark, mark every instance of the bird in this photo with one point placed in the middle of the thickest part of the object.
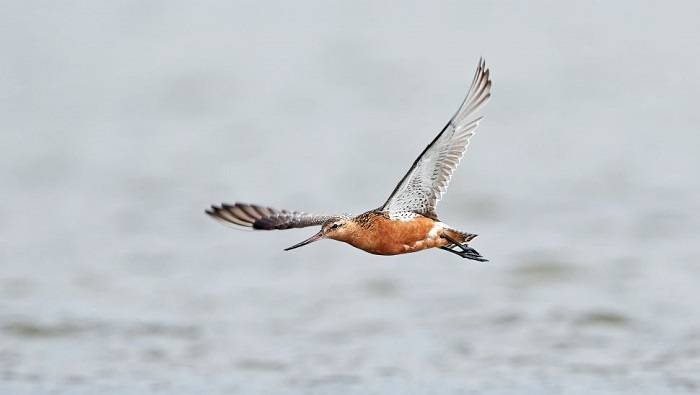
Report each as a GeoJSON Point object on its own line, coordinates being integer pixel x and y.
{"type": "Point", "coordinates": [407, 222]}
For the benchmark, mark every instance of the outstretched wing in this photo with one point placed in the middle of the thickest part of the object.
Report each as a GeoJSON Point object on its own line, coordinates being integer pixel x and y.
{"type": "Point", "coordinates": [251, 216]}
{"type": "Point", "coordinates": [426, 181]}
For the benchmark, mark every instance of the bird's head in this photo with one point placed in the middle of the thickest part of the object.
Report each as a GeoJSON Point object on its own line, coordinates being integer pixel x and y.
{"type": "Point", "coordinates": [337, 229]}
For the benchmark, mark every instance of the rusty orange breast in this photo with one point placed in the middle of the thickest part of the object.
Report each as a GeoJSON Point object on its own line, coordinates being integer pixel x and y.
{"type": "Point", "coordinates": [383, 236]}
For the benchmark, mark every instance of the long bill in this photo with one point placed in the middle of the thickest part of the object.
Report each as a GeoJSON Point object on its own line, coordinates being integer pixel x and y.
{"type": "Point", "coordinates": [317, 236]}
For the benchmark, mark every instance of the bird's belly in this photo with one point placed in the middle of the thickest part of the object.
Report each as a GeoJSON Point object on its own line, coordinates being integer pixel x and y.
{"type": "Point", "coordinates": [404, 248]}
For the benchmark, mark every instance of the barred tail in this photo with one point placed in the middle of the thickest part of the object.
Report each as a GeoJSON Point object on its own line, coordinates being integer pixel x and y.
{"type": "Point", "coordinates": [462, 237]}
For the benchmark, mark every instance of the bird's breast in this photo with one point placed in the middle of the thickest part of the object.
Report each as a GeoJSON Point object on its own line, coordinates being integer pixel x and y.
{"type": "Point", "coordinates": [384, 236]}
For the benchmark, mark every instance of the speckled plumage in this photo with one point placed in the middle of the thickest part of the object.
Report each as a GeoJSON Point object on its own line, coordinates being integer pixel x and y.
{"type": "Point", "coordinates": [427, 179]}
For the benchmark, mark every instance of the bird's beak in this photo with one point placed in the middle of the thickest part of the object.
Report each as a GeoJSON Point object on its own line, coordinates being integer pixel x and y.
{"type": "Point", "coordinates": [317, 236]}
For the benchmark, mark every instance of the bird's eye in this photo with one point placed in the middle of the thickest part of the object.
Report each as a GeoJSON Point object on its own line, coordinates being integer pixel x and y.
{"type": "Point", "coordinates": [335, 226]}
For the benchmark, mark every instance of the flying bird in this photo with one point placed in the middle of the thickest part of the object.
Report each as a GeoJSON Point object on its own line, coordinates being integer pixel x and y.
{"type": "Point", "coordinates": [407, 221]}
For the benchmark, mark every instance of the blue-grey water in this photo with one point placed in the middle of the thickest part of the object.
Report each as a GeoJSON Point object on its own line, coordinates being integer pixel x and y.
{"type": "Point", "coordinates": [121, 121]}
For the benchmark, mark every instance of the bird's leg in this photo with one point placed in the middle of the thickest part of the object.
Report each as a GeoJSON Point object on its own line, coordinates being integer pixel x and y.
{"type": "Point", "coordinates": [469, 255]}
{"type": "Point", "coordinates": [466, 251]}
{"type": "Point", "coordinates": [460, 253]}
{"type": "Point", "coordinates": [475, 256]}
{"type": "Point", "coordinates": [455, 242]}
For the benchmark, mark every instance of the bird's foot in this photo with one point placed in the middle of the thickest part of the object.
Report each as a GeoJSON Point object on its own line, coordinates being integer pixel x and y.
{"type": "Point", "coordinates": [464, 251]}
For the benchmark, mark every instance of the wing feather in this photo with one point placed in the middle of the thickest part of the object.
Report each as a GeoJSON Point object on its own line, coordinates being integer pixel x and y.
{"type": "Point", "coordinates": [426, 181]}
{"type": "Point", "coordinates": [251, 216]}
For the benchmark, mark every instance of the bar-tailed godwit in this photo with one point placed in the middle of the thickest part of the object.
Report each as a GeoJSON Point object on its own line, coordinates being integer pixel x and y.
{"type": "Point", "coordinates": [407, 221]}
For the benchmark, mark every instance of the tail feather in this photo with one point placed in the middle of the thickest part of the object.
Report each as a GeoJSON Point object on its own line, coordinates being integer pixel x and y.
{"type": "Point", "coordinates": [462, 237]}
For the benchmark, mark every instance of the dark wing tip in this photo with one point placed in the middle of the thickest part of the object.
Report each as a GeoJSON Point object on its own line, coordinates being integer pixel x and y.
{"type": "Point", "coordinates": [231, 214]}
{"type": "Point", "coordinates": [251, 216]}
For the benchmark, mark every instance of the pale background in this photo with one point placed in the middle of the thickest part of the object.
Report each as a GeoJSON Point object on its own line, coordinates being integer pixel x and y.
{"type": "Point", "coordinates": [121, 121]}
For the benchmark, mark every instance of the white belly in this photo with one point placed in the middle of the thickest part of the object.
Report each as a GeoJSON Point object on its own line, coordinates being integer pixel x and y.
{"type": "Point", "coordinates": [436, 230]}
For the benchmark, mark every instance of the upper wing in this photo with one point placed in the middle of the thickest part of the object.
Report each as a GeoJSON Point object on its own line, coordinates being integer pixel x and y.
{"type": "Point", "coordinates": [427, 179]}
{"type": "Point", "coordinates": [250, 216]}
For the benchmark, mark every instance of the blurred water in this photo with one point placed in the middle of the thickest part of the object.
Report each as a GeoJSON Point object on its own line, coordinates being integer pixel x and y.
{"type": "Point", "coordinates": [122, 121]}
